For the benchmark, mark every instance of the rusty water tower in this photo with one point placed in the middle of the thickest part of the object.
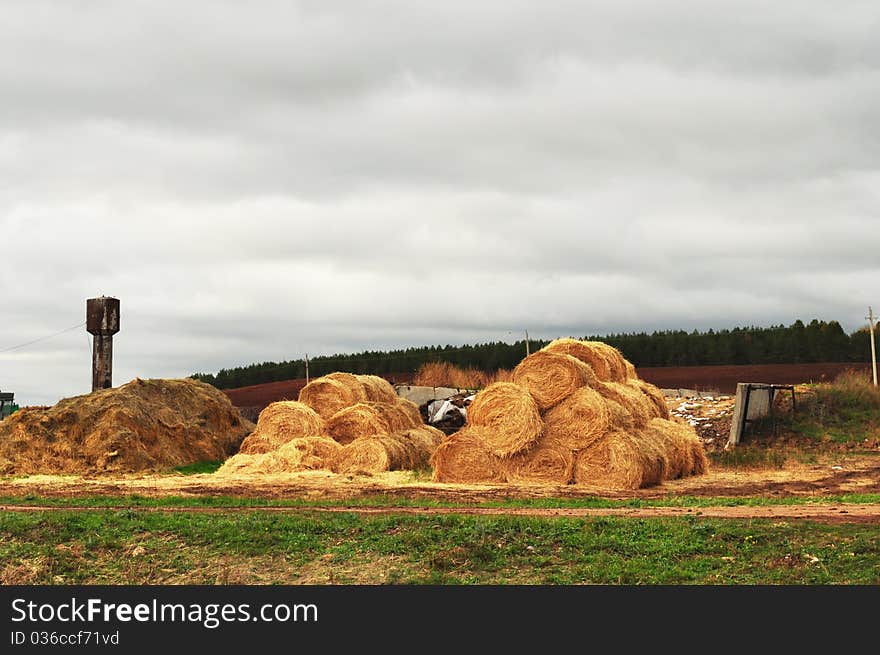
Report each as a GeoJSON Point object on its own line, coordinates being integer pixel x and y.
{"type": "Point", "coordinates": [102, 321]}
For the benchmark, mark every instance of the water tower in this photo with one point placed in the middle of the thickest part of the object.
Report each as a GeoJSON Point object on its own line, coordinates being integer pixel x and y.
{"type": "Point", "coordinates": [102, 321]}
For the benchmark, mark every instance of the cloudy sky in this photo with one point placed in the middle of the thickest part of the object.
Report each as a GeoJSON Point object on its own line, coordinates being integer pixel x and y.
{"type": "Point", "coordinates": [259, 180]}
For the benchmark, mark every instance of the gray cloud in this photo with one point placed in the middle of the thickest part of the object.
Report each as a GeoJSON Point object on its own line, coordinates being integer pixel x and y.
{"type": "Point", "coordinates": [259, 181]}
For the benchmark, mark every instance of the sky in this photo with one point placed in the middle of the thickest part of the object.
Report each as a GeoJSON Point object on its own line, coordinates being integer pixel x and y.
{"type": "Point", "coordinates": [257, 181]}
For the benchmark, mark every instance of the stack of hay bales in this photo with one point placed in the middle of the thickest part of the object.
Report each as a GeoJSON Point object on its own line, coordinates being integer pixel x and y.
{"type": "Point", "coordinates": [575, 412]}
{"type": "Point", "coordinates": [342, 422]}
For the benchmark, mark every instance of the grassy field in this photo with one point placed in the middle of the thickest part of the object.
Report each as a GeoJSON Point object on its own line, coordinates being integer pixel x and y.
{"type": "Point", "coordinates": [140, 547]}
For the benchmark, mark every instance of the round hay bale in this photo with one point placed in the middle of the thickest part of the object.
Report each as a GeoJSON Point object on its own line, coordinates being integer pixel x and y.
{"type": "Point", "coordinates": [410, 410]}
{"type": "Point", "coordinates": [614, 462]}
{"type": "Point", "coordinates": [655, 397]}
{"type": "Point", "coordinates": [701, 461]}
{"type": "Point", "coordinates": [657, 464]}
{"type": "Point", "coordinates": [619, 416]}
{"type": "Point", "coordinates": [327, 396]}
{"type": "Point", "coordinates": [616, 361]}
{"type": "Point", "coordinates": [631, 373]}
{"type": "Point", "coordinates": [547, 462]}
{"type": "Point", "coordinates": [509, 415]}
{"type": "Point", "coordinates": [551, 377]}
{"type": "Point", "coordinates": [585, 351]}
{"type": "Point", "coordinates": [362, 420]}
{"type": "Point", "coordinates": [351, 382]}
{"type": "Point", "coordinates": [279, 423]}
{"type": "Point", "coordinates": [464, 457]}
{"type": "Point", "coordinates": [377, 390]}
{"type": "Point", "coordinates": [631, 398]}
{"type": "Point", "coordinates": [579, 420]}
{"type": "Point", "coordinates": [668, 437]}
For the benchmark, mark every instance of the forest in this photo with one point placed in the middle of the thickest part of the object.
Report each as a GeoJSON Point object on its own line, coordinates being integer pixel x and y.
{"type": "Point", "coordinates": [816, 341]}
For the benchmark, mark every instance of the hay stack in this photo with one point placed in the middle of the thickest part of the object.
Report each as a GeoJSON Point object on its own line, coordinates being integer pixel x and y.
{"type": "Point", "coordinates": [584, 351]}
{"type": "Point", "coordinates": [620, 417]}
{"type": "Point", "coordinates": [509, 418]}
{"type": "Point", "coordinates": [630, 398]}
{"type": "Point", "coordinates": [581, 419]}
{"type": "Point", "coordinates": [408, 449]}
{"type": "Point", "coordinates": [551, 377]}
{"type": "Point", "coordinates": [631, 373]}
{"type": "Point", "coordinates": [613, 462]}
{"type": "Point", "coordinates": [376, 389]}
{"type": "Point", "coordinates": [547, 462]}
{"type": "Point", "coordinates": [463, 457]}
{"type": "Point", "coordinates": [145, 425]}
{"type": "Point", "coordinates": [655, 397]}
{"type": "Point", "coordinates": [279, 423]}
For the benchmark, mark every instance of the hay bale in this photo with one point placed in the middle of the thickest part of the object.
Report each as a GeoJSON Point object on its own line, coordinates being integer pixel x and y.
{"type": "Point", "coordinates": [145, 425]}
{"type": "Point", "coordinates": [616, 361]}
{"type": "Point", "coordinates": [656, 399]}
{"type": "Point", "coordinates": [509, 416]}
{"type": "Point", "coordinates": [700, 459]}
{"type": "Point", "coordinates": [464, 457]}
{"type": "Point", "coordinates": [279, 423]}
{"type": "Point", "coordinates": [327, 396]}
{"type": "Point", "coordinates": [579, 420]}
{"type": "Point", "coordinates": [376, 389]}
{"type": "Point", "coordinates": [656, 456]}
{"type": "Point", "coordinates": [667, 436]}
{"type": "Point", "coordinates": [551, 377]}
{"type": "Point", "coordinates": [585, 351]}
{"type": "Point", "coordinates": [360, 421]}
{"type": "Point", "coordinates": [619, 416]}
{"type": "Point", "coordinates": [351, 382]}
{"type": "Point", "coordinates": [631, 373]}
{"type": "Point", "coordinates": [614, 462]}
{"type": "Point", "coordinates": [303, 454]}
{"type": "Point", "coordinates": [631, 398]}
{"type": "Point", "coordinates": [546, 462]}
{"type": "Point", "coordinates": [409, 409]}
{"type": "Point", "coordinates": [406, 450]}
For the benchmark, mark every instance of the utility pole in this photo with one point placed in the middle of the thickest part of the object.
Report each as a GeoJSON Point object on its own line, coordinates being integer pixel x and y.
{"type": "Point", "coordinates": [307, 368]}
{"type": "Point", "coordinates": [870, 318]}
{"type": "Point", "coordinates": [527, 343]}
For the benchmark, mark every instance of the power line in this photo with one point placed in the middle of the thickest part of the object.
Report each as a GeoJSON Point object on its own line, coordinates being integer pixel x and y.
{"type": "Point", "coordinates": [51, 336]}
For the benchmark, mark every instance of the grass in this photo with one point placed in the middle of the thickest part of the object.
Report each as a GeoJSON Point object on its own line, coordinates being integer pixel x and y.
{"type": "Point", "coordinates": [136, 547]}
{"type": "Point", "coordinates": [844, 412]}
{"type": "Point", "coordinates": [138, 501]}
{"type": "Point", "coordinates": [199, 467]}
{"type": "Point", "coordinates": [749, 456]}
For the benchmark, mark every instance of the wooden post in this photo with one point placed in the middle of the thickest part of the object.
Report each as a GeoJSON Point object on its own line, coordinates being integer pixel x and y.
{"type": "Point", "coordinates": [873, 347]}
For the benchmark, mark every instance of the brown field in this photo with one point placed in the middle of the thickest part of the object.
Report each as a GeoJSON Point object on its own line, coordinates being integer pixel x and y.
{"type": "Point", "coordinates": [724, 378]}
{"type": "Point", "coordinates": [719, 378]}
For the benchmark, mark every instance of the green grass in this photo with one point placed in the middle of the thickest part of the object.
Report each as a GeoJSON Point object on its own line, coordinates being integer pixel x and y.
{"type": "Point", "coordinates": [137, 501]}
{"type": "Point", "coordinates": [199, 467]}
{"type": "Point", "coordinates": [137, 547]}
{"type": "Point", "coordinates": [846, 411]}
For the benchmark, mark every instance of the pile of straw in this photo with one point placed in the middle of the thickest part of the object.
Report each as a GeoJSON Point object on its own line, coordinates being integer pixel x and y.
{"type": "Point", "coordinates": [342, 422]}
{"type": "Point", "coordinates": [575, 412]}
{"type": "Point", "coordinates": [145, 425]}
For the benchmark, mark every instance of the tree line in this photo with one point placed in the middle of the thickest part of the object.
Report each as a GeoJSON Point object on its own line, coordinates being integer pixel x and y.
{"type": "Point", "coordinates": [817, 341]}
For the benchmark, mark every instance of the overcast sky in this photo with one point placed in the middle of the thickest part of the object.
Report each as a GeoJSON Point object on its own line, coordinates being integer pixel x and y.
{"type": "Point", "coordinates": [259, 180]}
